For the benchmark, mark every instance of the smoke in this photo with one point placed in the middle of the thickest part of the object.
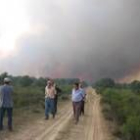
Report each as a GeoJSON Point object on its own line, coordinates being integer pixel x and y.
{"type": "Point", "coordinates": [78, 38]}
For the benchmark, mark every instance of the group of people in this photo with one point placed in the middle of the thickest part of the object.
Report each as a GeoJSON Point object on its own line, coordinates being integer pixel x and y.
{"type": "Point", "coordinates": [51, 98]}
{"type": "Point", "coordinates": [78, 100]}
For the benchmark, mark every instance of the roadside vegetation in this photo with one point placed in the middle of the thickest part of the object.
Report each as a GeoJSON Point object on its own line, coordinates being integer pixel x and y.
{"type": "Point", "coordinates": [29, 92]}
{"type": "Point", "coordinates": [121, 105]}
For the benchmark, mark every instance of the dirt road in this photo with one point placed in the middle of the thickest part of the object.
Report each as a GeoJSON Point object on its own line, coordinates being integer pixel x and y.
{"type": "Point", "coordinates": [91, 126]}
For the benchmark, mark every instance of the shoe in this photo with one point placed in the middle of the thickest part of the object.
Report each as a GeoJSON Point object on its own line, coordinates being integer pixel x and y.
{"type": "Point", "coordinates": [10, 129]}
{"type": "Point", "coordinates": [46, 118]}
{"type": "Point", "coordinates": [53, 116]}
{"type": "Point", "coordinates": [76, 122]}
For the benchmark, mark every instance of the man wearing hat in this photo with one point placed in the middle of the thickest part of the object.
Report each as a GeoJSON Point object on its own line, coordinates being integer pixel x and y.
{"type": "Point", "coordinates": [6, 103]}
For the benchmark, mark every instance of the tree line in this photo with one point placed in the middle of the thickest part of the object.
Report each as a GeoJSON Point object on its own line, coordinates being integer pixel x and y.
{"type": "Point", "coordinates": [29, 91]}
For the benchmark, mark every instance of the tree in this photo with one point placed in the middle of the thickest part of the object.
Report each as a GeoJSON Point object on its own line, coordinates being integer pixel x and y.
{"type": "Point", "coordinates": [105, 83]}
{"type": "Point", "coordinates": [41, 82]}
{"type": "Point", "coordinates": [26, 81]}
{"type": "Point", "coordinates": [135, 86]}
{"type": "Point", "coordinates": [2, 76]}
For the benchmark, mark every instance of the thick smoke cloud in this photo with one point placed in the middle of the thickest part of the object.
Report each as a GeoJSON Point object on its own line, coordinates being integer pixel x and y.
{"type": "Point", "coordinates": [79, 38]}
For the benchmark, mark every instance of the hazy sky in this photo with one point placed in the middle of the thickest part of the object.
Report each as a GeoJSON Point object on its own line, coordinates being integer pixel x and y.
{"type": "Point", "coordinates": [70, 38]}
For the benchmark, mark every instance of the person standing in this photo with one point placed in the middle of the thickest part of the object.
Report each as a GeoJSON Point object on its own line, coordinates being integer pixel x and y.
{"type": "Point", "coordinates": [83, 100]}
{"type": "Point", "coordinates": [50, 93]}
{"type": "Point", "coordinates": [77, 97]}
{"type": "Point", "coordinates": [58, 90]}
{"type": "Point", "coordinates": [6, 103]}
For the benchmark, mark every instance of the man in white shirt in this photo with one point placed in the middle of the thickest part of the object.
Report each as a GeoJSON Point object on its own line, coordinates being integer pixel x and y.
{"type": "Point", "coordinates": [77, 96]}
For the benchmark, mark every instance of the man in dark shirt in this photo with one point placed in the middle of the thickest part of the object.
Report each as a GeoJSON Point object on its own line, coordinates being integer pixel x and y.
{"type": "Point", "coordinates": [58, 90]}
{"type": "Point", "coordinates": [83, 100]}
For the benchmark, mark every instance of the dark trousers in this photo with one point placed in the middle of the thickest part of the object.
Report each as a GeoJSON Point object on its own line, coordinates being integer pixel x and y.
{"type": "Point", "coordinates": [82, 107]}
{"type": "Point", "coordinates": [49, 107]}
{"type": "Point", "coordinates": [76, 110]}
{"type": "Point", "coordinates": [55, 103]}
{"type": "Point", "coordinates": [9, 115]}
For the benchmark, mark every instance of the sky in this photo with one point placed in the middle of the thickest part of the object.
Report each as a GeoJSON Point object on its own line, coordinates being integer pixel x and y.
{"type": "Point", "coordinates": [88, 39]}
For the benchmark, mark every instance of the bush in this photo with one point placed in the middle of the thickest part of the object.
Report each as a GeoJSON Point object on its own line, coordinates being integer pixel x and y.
{"type": "Point", "coordinates": [131, 129]}
{"type": "Point", "coordinates": [27, 96]}
{"type": "Point", "coordinates": [123, 106]}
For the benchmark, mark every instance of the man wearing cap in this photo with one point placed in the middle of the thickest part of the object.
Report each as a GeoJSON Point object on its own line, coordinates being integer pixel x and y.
{"type": "Point", "coordinates": [6, 103]}
{"type": "Point", "coordinates": [50, 93]}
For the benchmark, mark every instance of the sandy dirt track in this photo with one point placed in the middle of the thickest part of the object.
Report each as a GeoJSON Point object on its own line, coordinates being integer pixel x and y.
{"type": "Point", "coordinates": [90, 127]}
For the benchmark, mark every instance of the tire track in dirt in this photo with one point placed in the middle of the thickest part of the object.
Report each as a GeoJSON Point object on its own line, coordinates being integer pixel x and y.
{"type": "Point", "coordinates": [53, 130]}
{"type": "Point", "coordinates": [89, 121]}
{"type": "Point", "coordinates": [99, 126]}
{"type": "Point", "coordinates": [42, 127]}
{"type": "Point", "coordinates": [84, 129]}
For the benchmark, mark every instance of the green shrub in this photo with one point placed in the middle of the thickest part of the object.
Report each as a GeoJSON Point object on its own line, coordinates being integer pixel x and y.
{"type": "Point", "coordinates": [123, 106]}
{"type": "Point", "coordinates": [27, 96]}
{"type": "Point", "coordinates": [131, 129]}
